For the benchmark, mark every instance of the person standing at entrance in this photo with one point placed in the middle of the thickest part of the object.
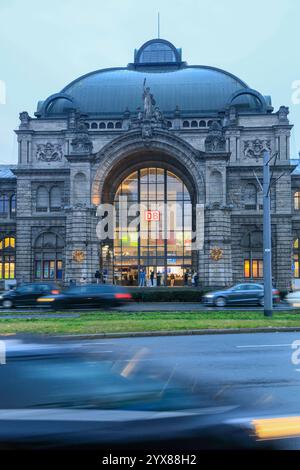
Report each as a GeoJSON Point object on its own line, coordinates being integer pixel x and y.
{"type": "Point", "coordinates": [172, 279]}
{"type": "Point", "coordinates": [142, 278]}
{"type": "Point", "coordinates": [97, 276]}
{"type": "Point", "coordinates": [152, 278]}
{"type": "Point", "coordinates": [158, 279]}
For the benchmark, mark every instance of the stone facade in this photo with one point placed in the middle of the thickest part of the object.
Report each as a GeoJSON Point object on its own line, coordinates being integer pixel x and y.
{"type": "Point", "coordinates": [71, 162]}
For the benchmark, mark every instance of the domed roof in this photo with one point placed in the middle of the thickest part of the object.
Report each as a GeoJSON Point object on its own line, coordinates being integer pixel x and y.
{"type": "Point", "coordinates": [195, 90]}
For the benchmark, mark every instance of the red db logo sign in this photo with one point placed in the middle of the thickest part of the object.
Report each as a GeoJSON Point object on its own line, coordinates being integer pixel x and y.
{"type": "Point", "coordinates": [152, 216]}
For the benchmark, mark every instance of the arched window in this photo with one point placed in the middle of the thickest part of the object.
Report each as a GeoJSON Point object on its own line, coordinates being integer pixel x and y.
{"type": "Point", "coordinates": [250, 196]}
{"type": "Point", "coordinates": [252, 243]}
{"type": "Point", "coordinates": [118, 125]}
{"type": "Point", "coordinates": [162, 242]}
{"type": "Point", "coordinates": [7, 258]}
{"type": "Point", "coordinates": [42, 199]}
{"type": "Point", "coordinates": [55, 198]}
{"type": "Point", "coordinates": [4, 204]}
{"type": "Point", "coordinates": [48, 257]}
{"type": "Point", "coordinates": [102, 125]}
{"type": "Point", "coordinates": [194, 124]}
{"type": "Point", "coordinates": [94, 125]}
{"type": "Point", "coordinates": [87, 125]}
{"type": "Point", "coordinates": [110, 125]}
{"type": "Point", "coordinates": [297, 200]}
{"type": "Point", "coordinates": [202, 123]}
{"type": "Point", "coordinates": [216, 187]}
{"type": "Point", "coordinates": [185, 124]}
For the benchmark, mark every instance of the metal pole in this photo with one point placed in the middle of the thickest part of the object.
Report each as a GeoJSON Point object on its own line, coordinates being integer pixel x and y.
{"type": "Point", "coordinates": [267, 247]}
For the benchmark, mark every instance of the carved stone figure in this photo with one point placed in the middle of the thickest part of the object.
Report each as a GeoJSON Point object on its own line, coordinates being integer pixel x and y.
{"type": "Point", "coordinates": [283, 113]}
{"type": "Point", "coordinates": [24, 118]}
{"type": "Point", "coordinates": [215, 141]}
{"type": "Point", "coordinates": [149, 102]}
{"type": "Point", "coordinates": [81, 143]}
{"type": "Point", "coordinates": [49, 152]}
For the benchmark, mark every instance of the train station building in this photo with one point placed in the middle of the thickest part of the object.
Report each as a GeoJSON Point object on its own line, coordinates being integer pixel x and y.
{"type": "Point", "coordinates": [155, 134]}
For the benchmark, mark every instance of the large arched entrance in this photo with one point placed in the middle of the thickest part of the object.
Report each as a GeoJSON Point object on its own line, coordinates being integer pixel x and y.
{"type": "Point", "coordinates": [153, 231]}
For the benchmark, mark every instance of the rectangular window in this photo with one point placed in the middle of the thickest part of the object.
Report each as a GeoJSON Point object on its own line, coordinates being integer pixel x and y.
{"type": "Point", "coordinates": [253, 269]}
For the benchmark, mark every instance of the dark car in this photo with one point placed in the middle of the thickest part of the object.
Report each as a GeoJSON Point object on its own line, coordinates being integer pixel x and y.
{"type": "Point", "coordinates": [27, 294]}
{"type": "Point", "coordinates": [249, 293]}
{"type": "Point", "coordinates": [90, 295]}
{"type": "Point", "coordinates": [78, 396]}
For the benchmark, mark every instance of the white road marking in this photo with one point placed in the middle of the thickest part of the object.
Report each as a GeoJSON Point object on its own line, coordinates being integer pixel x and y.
{"type": "Point", "coordinates": [264, 346]}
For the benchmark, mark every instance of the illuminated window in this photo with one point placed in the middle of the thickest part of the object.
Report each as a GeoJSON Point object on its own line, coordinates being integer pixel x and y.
{"type": "Point", "coordinates": [163, 239]}
{"type": "Point", "coordinates": [48, 255]}
{"type": "Point", "coordinates": [296, 258]}
{"type": "Point", "coordinates": [297, 200]}
{"type": "Point", "coordinates": [7, 258]}
{"type": "Point", "coordinates": [253, 269]}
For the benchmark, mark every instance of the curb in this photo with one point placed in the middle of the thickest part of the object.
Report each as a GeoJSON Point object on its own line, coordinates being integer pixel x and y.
{"type": "Point", "coordinates": [141, 334]}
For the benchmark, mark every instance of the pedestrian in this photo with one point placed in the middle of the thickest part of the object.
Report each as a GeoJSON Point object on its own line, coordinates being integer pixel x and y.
{"type": "Point", "coordinates": [152, 278]}
{"type": "Point", "coordinates": [196, 279]}
{"type": "Point", "coordinates": [142, 278]}
{"type": "Point", "coordinates": [97, 276]}
{"type": "Point", "coordinates": [158, 279]}
{"type": "Point", "coordinates": [172, 279]}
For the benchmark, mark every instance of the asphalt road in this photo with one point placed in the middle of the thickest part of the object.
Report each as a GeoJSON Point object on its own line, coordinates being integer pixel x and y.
{"type": "Point", "coordinates": [135, 307]}
{"type": "Point", "coordinates": [258, 364]}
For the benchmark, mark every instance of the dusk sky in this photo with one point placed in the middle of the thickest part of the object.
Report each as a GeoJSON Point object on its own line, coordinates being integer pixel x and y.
{"type": "Point", "coordinates": [45, 45]}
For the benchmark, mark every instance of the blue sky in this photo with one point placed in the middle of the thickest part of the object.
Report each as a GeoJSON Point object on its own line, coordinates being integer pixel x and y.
{"type": "Point", "coordinates": [44, 45]}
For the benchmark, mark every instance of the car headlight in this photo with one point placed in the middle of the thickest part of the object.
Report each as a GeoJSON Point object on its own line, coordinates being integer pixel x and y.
{"type": "Point", "coordinates": [208, 296]}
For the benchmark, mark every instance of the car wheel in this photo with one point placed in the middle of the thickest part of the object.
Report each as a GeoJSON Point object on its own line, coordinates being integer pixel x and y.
{"type": "Point", "coordinates": [7, 303]}
{"type": "Point", "coordinates": [220, 302]}
{"type": "Point", "coordinates": [261, 301]}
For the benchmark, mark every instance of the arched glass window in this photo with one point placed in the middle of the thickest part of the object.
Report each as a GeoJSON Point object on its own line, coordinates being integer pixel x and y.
{"type": "Point", "coordinates": [48, 257]}
{"type": "Point", "coordinates": [250, 196]}
{"type": "Point", "coordinates": [118, 125]}
{"type": "Point", "coordinates": [185, 124]}
{"type": "Point", "coordinates": [4, 204]}
{"type": "Point", "coordinates": [94, 125]}
{"type": "Point", "coordinates": [42, 199]}
{"type": "Point", "coordinates": [7, 258]}
{"type": "Point", "coordinates": [102, 125]}
{"type": "Point", "coordinates": [162, 242]}
{"type": "Point", "coordinates": [202, 123]}
{"type": "Point", "coordinates": [252, 243]}
{"type": "Point", "coordinates": [194, 124]}
{"type": "Point", "coordinates": [55, 198]}
{"type": "Point", "coordinates": [297, 200]}
{"type": "Point", "coordinates": [110, 125]}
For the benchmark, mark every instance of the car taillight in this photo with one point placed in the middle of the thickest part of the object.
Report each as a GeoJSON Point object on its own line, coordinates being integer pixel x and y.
{"type": "Point", "coordinates": [275, 292]}
{"type": "Point", "coordinates": [55, 291]}
{"type": "Point", "coordinates": [123, 296]}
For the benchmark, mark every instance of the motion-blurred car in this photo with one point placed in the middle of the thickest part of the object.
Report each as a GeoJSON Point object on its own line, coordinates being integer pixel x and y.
{"type": "Point", "coordinates": [248, 293]}
{"type": "Point", "coordinates": [90, 295]}
{"type": "Point", "coordinates": [293, 298]}
{"type": "Point", "coordinates": [27, 294]}
{"type": "Point", "coordinates": [75, 395]}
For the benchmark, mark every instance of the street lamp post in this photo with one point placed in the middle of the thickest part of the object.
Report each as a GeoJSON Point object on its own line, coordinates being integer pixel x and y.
{"type": "Point", "coordinates": [267, 247]}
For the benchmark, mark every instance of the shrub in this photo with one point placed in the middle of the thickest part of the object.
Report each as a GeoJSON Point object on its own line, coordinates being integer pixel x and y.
{"type": "Point", "coordinates": [153, 294]}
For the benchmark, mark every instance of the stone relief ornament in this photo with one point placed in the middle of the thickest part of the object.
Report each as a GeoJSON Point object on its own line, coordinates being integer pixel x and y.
{"type": "Point", "coordinates": [49, 152]}
{"type": "Point", "coordinates": [78, 256]}
{"type": "Point", "coordinates": [216, 253]}
{"type": "Point", "coordinates": [254, 148]}
{"type": "Point", "coordinates": [215, 141]}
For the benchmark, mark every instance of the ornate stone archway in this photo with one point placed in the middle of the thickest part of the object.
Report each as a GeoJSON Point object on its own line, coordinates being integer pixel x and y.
{"type": "Point", "coordinates": [132, 150]}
